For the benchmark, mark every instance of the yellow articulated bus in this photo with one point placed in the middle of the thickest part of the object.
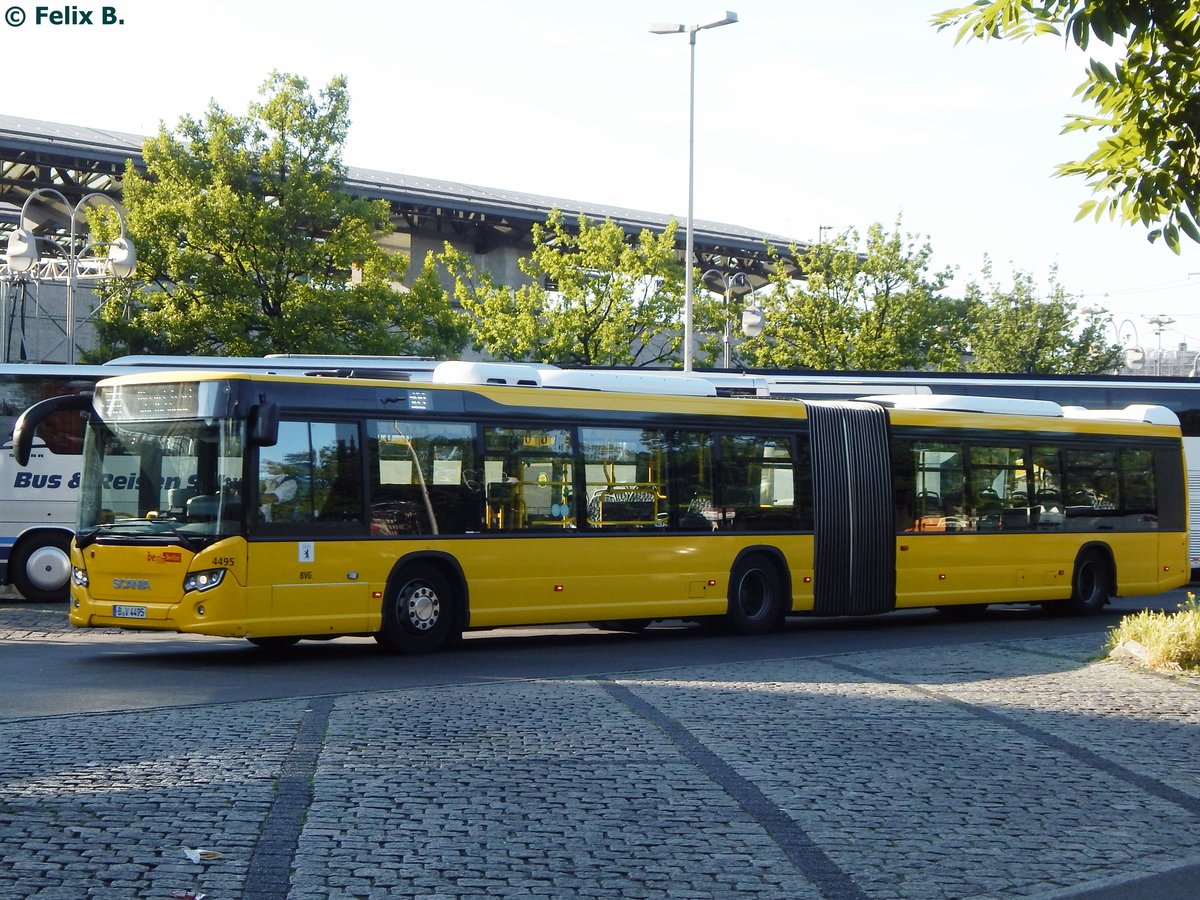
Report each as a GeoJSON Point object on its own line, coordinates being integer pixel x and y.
{"type": "Point", "coordinates": [282, 507]}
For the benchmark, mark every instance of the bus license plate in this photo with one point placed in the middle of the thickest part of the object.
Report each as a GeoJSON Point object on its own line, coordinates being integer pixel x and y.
{"type": "Point", "coordinates": [129, 612]}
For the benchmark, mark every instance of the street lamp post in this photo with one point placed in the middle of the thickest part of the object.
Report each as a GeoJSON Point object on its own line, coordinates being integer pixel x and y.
{"type": "Point", "coordinates": [22, 253]}
{"type": "Point", "coordinates": [1160, 323]}
{"type": "Point", "coordinates": [752, 316]}
{"type": "Point", "coordinates": [1120, 330]}
{"type": "Point", "coordinates": [729, 18]}
{"type": "Point", "coordinates": [1134, 355]}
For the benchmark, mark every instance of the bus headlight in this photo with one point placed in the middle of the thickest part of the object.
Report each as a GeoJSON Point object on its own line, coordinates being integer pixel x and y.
{"type": "Point", "coordinates": [204, 580]}
{"type": "Point", "coordinates": [79, 576]}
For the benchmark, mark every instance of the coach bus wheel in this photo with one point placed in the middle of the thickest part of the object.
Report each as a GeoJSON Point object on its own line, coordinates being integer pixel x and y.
{"type": "Point", "coordinates": [40, 566]}
{"type": "Point", "coordinates": [418, 616]}
{"type": "Point", "coordinates": [1091, 584]}
{"type": "Point", "coordinates": [755, 596]}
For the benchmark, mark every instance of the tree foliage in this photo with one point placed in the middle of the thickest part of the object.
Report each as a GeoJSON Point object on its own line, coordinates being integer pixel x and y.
{"type": "Point", "coordinates": [1013, 330]}
{"type": "Point", "coordinates": [592, 297]}
{"type": "Point", "coordinates": [1146, 165]}
{"type": "Point", "coordinates": [881, 309]}
{"type": "Point", "coordinates": [248, 243]}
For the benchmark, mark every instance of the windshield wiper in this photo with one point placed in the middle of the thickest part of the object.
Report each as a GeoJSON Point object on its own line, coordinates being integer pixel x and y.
{"type": "Point", "coordinates": [130, 530]}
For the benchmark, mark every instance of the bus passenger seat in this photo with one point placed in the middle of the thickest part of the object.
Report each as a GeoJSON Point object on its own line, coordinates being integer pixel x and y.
{"type": "Point", "coordinates": [930, 502]}
{"type": "Point", "coordinates": [699, 515]}
{"type": "Point", "coordinates": [177, 499]}
{"type": "Point", "coordinates": [203, 508]}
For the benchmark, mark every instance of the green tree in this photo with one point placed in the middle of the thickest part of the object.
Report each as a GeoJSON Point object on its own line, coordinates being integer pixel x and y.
{"type": "Point", "coordinates": [1013, 330]}
{"type": "Point", "coordinates": [881, 309]}
{"type": "Point", "coordinates": [1146, 166]}
{"type": "Point", "coordinates": [248, 243]}
{"type": "Point", "coordinates": [593, 297]}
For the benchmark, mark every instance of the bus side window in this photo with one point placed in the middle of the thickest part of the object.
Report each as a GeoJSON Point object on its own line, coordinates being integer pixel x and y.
{"type": "Point", "coordinates": [312, 474]}
{"type": "Point", "coordinates": [1045, 495]}
{"type": "Point", "coordinates": [693, 481]}
{"type": "Point", "coordinates": [804, 486]}
{"type": "Point", "coordinates": [998, 477]}
{"type": "Point", "coordinates": [756, 483]}
{"type": "Point", "coordinates": [1093, 484]}
{"type": "Point", "coordinates": [424, 478]}
{"type": "Point", "coordinates": [625, 478]}
{"type": "Point", "coordinates": [338, 482]}
{"type": "Point", "coordinates": [285, 478]}
{"type": "Point", "coordinates": [1137, 479]}
{"type": "Point", "coordinates": [904, 482]}
{"type": "Point", "coordinates": [929, 486]}
{"type": "Point", "coordinates": [528, 478]}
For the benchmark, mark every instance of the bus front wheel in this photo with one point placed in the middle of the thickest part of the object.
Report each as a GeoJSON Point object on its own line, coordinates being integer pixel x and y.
{"type": "Point", "coordinates": [39, 566]}
{"type": "Point", "coordinates": [418, 614]}
{"type": "Point", "coordinates": [755, 596]}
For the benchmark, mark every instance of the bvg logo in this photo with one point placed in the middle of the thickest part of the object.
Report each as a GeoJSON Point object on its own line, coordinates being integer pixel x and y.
{"type": "Point", "coordinates": [167, 556]}
{"type": "Point", "coordinates": [131, 584]}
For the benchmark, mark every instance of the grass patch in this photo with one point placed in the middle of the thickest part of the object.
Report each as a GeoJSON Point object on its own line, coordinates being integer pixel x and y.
{"type": "Point", "coordinates": [1163, 640]}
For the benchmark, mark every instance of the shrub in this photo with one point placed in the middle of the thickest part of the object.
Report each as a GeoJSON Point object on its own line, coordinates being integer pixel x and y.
{"type": "Point", "coordinates": [1171, 639]}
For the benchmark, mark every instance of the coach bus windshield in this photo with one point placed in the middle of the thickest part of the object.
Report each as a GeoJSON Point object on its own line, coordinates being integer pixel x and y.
{"type": "Point", "coordinates": [178, 479]}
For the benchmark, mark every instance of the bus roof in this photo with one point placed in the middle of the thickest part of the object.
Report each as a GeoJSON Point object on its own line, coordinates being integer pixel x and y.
{"type": "Point", "coordinates": [1139, 412]}
{"type": "Point", "coordinates": [285, 363]}
{"type": "Point", "coordinates": [996, 405]}
{"type": "Point", "coordinates": [1136, 412]}
{"type": "Point", "coordinates": [534, 375]}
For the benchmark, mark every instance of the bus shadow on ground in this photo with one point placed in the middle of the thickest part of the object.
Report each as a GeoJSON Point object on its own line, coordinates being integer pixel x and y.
{"type": "Point", "coordinates": [345, 665]}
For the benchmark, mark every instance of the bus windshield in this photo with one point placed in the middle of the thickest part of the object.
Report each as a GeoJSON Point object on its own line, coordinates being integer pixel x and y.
{"type": "Point", "coordinates": [180, 479]}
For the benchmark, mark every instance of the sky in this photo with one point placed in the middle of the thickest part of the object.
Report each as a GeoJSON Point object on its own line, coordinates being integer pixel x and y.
{"type": "Point", "coordinates": [811, 117]}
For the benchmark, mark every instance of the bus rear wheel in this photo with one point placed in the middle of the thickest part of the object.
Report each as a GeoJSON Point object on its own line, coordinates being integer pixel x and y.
{"type": "Point", "coordinates": [419, 613]}
{"type": "Point", "coordinates": [1091, 584]}
{"type": "Point", "coordinates": [40, 566]}
{"type": "Point", "coordinates": [755, 596]}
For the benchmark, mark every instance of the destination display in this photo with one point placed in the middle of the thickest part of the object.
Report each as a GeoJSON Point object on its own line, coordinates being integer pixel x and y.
{"type": "Point", "coordinates": [175, 400]}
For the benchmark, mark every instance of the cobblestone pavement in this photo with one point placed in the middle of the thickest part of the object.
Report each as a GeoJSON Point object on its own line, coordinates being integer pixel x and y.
{"type": "Point", "coordinates": [1006, 769]}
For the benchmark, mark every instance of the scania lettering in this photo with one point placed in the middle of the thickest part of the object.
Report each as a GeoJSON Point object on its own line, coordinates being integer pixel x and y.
{"type": "Point", "coordinates": [131, 584]}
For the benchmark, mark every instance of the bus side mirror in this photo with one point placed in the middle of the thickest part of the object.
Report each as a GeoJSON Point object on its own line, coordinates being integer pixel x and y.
{"type": "Point", "coordinates": [28, 422]}
{"type": "Point", "coordinates": [264, 424]}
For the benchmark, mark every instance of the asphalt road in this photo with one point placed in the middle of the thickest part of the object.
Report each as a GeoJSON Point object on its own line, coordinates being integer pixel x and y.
{"type": "Point", "coordinates": [69, 671]}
